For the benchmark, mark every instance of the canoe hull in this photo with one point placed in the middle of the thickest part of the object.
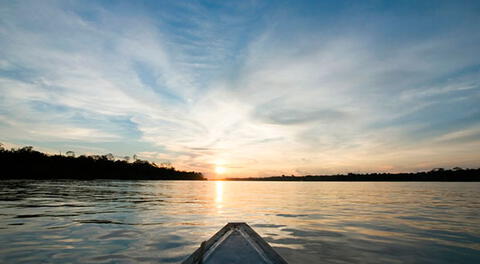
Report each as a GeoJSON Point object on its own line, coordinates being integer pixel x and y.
{"type": "Point", "coordinates": [235, 243]}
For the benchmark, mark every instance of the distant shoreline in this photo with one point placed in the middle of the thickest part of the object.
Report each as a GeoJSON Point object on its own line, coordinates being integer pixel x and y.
{"type": "Point", "coordinates": [26, 163]}
{"type": "Point", "coordinates": [437, 175]}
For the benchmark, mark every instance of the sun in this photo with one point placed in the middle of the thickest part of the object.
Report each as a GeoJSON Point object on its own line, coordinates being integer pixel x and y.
{"type": "Point", "coordinates": [220, 170]}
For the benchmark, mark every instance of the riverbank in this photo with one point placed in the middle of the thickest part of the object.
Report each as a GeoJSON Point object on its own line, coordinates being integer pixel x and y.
{"type": "Point", "coordinates": [26, 163]}
{"type": "Point", "coordinates": [437, 175]}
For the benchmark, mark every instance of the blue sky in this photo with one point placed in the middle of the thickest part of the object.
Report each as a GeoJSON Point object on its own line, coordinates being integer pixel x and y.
{"type": "Point", "coordinates": [257, 87]}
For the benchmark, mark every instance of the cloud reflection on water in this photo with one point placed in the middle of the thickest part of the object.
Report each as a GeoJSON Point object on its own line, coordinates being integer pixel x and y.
{"type": "Point", "coordinates": [103, 221]}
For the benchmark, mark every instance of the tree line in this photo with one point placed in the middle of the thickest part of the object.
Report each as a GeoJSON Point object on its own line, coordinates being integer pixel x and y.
{"type": "Point", "coordinates": [27, 163]}
{"type": "Point", "coordinates": [456, 174]}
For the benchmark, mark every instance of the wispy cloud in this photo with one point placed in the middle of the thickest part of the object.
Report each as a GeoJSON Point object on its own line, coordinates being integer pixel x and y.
{"type": "Point", "coordinates": [265, 87]}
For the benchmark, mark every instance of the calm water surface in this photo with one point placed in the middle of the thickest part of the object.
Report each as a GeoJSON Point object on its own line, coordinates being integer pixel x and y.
{"type": "Point", "coordinates": [306, 222]}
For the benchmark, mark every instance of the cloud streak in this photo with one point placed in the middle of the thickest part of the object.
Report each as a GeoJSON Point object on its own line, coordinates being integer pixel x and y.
{"type": "Point", "coordinates": [266, 88]}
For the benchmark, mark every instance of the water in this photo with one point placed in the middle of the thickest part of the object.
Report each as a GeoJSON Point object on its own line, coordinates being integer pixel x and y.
{"type": "Point", "coordinates": [306, 222]}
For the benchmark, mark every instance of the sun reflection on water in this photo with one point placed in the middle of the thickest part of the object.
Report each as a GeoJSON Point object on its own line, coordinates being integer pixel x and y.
{"type": "Point", "coordinates": [337, 221]}
{"type": "Point", "coordinates": [219, 193]}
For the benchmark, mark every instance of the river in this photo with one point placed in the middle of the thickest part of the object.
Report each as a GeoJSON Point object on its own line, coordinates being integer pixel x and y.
{"type": "Point", "coordinates": [305, 222]}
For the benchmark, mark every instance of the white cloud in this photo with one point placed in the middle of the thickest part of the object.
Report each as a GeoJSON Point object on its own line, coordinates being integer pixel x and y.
{"type": "Point", "coordinates": [206, 90]}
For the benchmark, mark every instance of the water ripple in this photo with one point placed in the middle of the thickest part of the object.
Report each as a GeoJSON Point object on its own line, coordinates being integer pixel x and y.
{"type": "Point", "coordinates": [163, 222]}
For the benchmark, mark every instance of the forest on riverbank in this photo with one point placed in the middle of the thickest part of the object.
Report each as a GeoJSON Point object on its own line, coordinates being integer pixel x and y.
{"type": "Point", "coordinates": [27, 163]}
{"type": "Point", "coordinates": [456, 174]}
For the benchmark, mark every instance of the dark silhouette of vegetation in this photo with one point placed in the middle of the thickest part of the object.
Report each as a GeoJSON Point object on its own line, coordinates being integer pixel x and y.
{"type": "Point", "coordinates": [456, 174]}
{"type": "Point", "coordinates": [26, 163]}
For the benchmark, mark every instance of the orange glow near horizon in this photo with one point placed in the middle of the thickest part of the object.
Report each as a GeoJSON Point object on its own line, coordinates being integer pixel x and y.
{"type": "Point", "coordinates": [220, 170]}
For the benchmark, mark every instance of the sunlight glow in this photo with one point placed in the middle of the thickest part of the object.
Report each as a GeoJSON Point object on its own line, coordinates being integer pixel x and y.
{"type": "Point", "coordinates": [220, 170]}
{"type": "Point", "coordinates": [247, 104]}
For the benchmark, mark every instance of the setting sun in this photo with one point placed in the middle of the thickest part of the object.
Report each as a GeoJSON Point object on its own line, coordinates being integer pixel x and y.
{"type": "Point", "coordinates": [220, 170]}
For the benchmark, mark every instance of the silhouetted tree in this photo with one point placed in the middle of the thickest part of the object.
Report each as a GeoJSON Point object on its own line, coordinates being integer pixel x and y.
{"type": "Point", "coordinates": [26, 149]}
{"type": "Point", "coordinates": [110, 156]}
{"type": "Point", "coordinates": [28, 163]}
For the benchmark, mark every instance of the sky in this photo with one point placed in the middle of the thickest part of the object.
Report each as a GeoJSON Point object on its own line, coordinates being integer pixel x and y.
{"type": "Point", "coordinates": [246, 88]}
